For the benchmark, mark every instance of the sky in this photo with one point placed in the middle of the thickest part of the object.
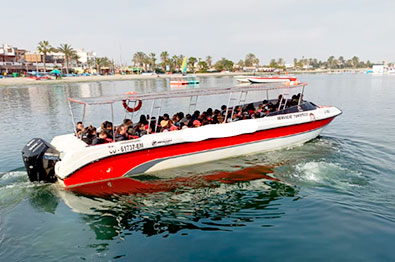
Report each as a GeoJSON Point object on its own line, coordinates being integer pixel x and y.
{"type": "Point", "coordinates": [269, 29]}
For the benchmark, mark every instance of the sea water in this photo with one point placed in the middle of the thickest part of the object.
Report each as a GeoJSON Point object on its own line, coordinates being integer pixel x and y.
{"type": "Point", "coordinates": [331, 199]}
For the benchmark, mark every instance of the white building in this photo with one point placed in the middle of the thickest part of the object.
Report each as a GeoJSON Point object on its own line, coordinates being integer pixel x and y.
{"type": "Point", "coordinates": [84, 56]}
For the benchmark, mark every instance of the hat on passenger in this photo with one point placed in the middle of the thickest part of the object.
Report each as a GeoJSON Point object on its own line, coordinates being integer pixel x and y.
{"type": "Point", "coordinates": [196, 123]}
{"type": "Point", "coordinates": [164, 123]}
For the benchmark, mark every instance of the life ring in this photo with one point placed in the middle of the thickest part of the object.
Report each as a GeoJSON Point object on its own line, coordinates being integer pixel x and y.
{"type": "Point", "coordinates": [131, 110]}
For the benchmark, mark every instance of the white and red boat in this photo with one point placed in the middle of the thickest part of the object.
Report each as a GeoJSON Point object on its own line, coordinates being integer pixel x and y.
{"type": "Point", "coordinates": [71, 162]}
{"type": "Point", "coordinates": [271, 79]}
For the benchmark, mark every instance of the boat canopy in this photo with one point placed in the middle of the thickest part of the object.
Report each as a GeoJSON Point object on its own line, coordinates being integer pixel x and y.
{"type": "Point", "coordinates": [182, 93]}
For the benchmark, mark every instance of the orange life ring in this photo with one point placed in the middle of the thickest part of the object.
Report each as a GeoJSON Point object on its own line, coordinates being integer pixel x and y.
{"type": "Point", "coordinates": [131, 110]}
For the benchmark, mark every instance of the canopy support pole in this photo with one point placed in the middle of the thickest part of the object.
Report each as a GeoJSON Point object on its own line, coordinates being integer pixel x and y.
{"type": "Point", "coordinates": [301, 96]}
{"type": "Point", "coordinates": [112, 120]}
{"type": "Point", "coordinates": [72, 118]}
{"type": "Point", "coordinates": [227, 107]}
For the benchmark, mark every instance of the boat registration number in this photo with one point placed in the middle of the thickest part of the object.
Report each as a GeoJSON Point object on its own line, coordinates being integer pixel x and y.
{"type": "Point", "coordinates": [125, 148]}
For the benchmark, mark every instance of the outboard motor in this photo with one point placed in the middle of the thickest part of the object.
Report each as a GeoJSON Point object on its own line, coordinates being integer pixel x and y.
{"type": "Point", "coordinates": [40, 158]}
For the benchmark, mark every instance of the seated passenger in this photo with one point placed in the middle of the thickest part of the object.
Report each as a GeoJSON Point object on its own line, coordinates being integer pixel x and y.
{"type": "Point", "coordinates": [173, 128]}
{"type": "Point", "coordinates": [101, 139]}
{"type": "Point", "coordinates": [153, 125]}
{"type": "Point", "coordinates": [120, 134]}
{"type": "Point", "coordinates": [107, 126]}
{"type": "Point", "coordinates": [90, 135]}
{"type": "Point", "coordinates": [79, 127]}
{"type": "Point", "coordinates": [196, 115]}
{"type": "Point", "coordinates": [223, 110]}
{"type": "Point", "coordinates": [131, 132]}
{"type": "Point", "coordinates": [165, 123]}
{"type": "Point", "coordinates": [143, 120]}
{"type": "Point", "coordinates": [127, 122]}
{"type": "Point", "coordinates": [140, 129]}
{"type": "Point", "coordinates": [196, 123]}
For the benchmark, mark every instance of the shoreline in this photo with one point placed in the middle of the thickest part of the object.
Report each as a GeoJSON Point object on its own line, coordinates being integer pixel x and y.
{"type": "Point", "coordinates": [22, 81]}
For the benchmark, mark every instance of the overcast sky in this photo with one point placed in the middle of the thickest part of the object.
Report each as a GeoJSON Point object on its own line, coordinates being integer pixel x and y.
{"type": "Point", "coordinates": [231, 29]}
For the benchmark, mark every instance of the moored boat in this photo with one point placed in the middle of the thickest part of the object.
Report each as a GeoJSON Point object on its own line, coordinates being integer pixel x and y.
{"type": "Point", "coordinates": [71, 162]}
{"type": "Point", "coordinates": [271, 79]}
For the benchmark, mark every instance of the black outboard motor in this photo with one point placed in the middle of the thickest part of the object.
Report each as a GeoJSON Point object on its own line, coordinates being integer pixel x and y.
{"type": "Point", "coordinates": [40, 158]}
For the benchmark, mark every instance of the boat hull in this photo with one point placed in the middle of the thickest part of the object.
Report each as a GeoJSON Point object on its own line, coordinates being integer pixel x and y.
{"type": "Point", "coordinates": [190, 153]}
{"type": "Point", "coordinates": [261, 80]}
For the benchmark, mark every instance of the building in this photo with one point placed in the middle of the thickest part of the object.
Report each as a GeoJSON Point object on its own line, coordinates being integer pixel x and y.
{"type": "Point", "coordinates": [11, 54]}
{"type": "Point", "coordinates": [83, 56]}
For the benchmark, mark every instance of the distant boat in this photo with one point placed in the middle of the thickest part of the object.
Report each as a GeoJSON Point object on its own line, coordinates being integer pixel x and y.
{"type": "Point", "coordinates": [271, 79]}
{"type": "Point", "coordinates": [243, 79]}
{"type": "Point", "coordinates": [183, 80]}
{"type": "Point", "coordinates": [391, 71]}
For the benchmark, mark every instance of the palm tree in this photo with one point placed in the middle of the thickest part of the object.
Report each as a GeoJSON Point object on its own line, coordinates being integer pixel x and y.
{"type": "Point", "coordinates": [355, 61]}
{"type": "Point", "coordinates": [44, 47]}
{"type": "Point", "coordinates": [99, 61]}
{"type": "Point", "coordinates": [174, 63]}
{"type": "Point", "coordinates": [90, 63]}
{"type": "Point", "coordinates": [139, 58]}
{"type": "Point", "coordinates": [152, 59]}
{"type": "Point", "coordinates": [164, 56]}
{"type": "Point", "coordinates": [76, 58]}
{"type": "Point", "coordinates": [68, 52]}
{"type": "Point", "coordinates": [191, 62]}
{"type": "Point", "coordinates": [251, 60]}
{"type": "Point", "coordinates": [209, 61]}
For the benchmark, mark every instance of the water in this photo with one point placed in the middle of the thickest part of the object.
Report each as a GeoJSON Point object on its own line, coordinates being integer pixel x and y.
{"type": "Point", "coordinates": [330, 199]}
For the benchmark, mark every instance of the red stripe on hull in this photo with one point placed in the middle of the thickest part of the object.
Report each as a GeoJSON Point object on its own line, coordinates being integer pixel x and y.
{"type": "Point", "coordinates": [118, 165]}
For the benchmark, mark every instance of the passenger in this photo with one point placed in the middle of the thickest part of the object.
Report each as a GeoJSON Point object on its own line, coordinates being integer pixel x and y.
{"type": "Point", "coordinates": [143, 120]}
{"type": "Point", "coordinates": [127, 122]}
{"type": "Point", "coordinates": [131, 132]}
{"type": "Point", "coordinates": [223, 110]}
{"type": "Point", "coordinates": [90, 135]}
{"type": "Point", "coordinates": [173, 127]}
{"type": "Point", "coordinates": [250, 108]}
{"type": "Point", "coordinates": [220, 119]}
{"type": "Point", "coordinates": [109, 129]}
{"type": "Point", "coordinates": [180, 115]}
{"type": "Point", "coordinates": [279, 101]}
{"type": "Point", "coordinates": [140, 130]}
{"type": "Point", "coordinates": [184, 123]}
{"type": "Point", "coordinates": [202, 116]}
{"type": "Point", "coordinates": [101, 139]}
{"type": "Point", "coordinates": [79, 127]}
{"type": "Point", "coordinates": [259, 109]}
{"type": "Point", "coordinates": [165, 123]}
{"type": "Point", "coordinates": [196, 123]}
{"type": "Point", "coordinates": [196, 115]}
{"type": "Point", "coordinates": [121, 135]}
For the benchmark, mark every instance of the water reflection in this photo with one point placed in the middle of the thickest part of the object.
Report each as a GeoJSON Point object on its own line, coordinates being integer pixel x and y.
{"type": "Point", "coordinates": [213, 202]}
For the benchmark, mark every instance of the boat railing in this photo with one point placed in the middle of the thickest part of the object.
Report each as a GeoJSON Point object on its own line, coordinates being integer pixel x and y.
{"type": "Point", "coordinates": [304, 106]}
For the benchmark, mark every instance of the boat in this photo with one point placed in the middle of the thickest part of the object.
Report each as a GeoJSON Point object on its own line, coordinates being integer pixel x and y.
{"type": "Point", "coordinates": [243, 79]}
{"type": "Point", "coordinates": [70, 162]}
{"type": "Point", "coordinates": [183, 81]}
{"type": "Point", "coordinates": [270, 79]}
